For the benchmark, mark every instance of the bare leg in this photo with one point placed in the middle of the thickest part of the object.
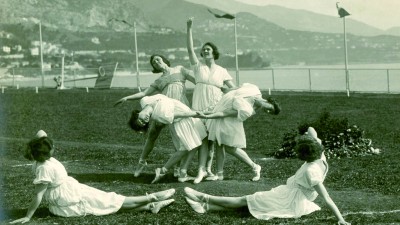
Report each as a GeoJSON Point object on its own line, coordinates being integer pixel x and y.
{"type": "Point", "coordinates": [227, 202]}
{"type": "Point", "coordinates": [175, 158]}
{"type": "Point", "coordinates": [203, 153]}
{"type": "Point", "coordinates": [154, 207]}
{"type": "Point", "coordinates": [206, 202]}
{"type": "Point", "coordinates": [220, 153]}
{"type": "Point", "coordinates": [241, 155]}
{"type": "Point", "coordinates": [187, 159]}
{"type": "Point", "coordinates": [210, 158]}
{"type": "Point", "coordinates": [184, 164]}
{"type": "Point", "coordinates": [152, 135]}
{"type": "Point", "coordinates": [134, 202]}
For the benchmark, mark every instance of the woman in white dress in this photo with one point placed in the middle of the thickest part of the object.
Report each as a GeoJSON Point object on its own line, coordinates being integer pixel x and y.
{"type": "Point", "coordinates": [69, 198]}
{"type": "Point", "coordinates": [210, 78]}
{"type": "Point", "coordinates": [189, 132]}
{"type": "Point", "coordinates": [225, 124]}
{"type": "Point", "coordinates": [292, 200]}
{"type": "Point", "coordinates": [172, 84]}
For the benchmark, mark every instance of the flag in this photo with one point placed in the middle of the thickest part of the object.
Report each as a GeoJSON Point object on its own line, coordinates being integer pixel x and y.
{"type": "Point", "coordinates": [104, 78]}
{"type": "Point", "coordinates": [342, 12]}
{"type": "Point", "coordinates": [226, 16]}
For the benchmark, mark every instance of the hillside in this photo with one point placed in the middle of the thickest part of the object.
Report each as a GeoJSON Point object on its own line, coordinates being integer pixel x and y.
{"type": "Point", "coordinates": [161, 25]}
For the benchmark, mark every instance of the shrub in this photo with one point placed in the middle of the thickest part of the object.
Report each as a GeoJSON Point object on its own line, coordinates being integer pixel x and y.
{"type": "Point", "coordinates": [339, 138]}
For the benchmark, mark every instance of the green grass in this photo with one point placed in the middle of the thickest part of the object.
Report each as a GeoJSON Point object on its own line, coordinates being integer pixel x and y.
{"type": "Point", "coordinates": [96, 146]}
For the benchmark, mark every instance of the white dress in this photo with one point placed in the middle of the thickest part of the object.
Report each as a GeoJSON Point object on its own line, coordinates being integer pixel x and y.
{"type": "Point", "coordinates": [189, 131]}
{"type": "Point", "coordinates": [229, 130]}
{"type": "Point", "coordinates": [207, 91]}
{"type": "Point", "coordinates": [67, 197]}
{"type": "Point", "coordinates": [294, 199]}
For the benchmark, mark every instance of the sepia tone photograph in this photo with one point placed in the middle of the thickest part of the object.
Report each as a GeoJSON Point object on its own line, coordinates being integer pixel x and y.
{"type": "Point", "coordinates": [199, 112]}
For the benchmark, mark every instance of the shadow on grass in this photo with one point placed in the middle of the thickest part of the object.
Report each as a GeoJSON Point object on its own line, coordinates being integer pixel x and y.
{"type": "Point", "coordinates": [144, 178]}
{"type": "Point", "coordinates": [13, 214]}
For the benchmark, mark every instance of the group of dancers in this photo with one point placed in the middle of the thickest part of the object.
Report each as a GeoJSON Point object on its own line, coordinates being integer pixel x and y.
{"type": "Point", "coordinates": [214, 122]}
{"type": "Point", "coordinates": [222, 114]}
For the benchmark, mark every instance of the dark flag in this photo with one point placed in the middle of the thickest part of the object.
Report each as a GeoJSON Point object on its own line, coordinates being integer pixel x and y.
{"type": "Point", "coordinates": [226, 16]}
{"type": "Point", "coordinates": [104, 78]}
{"type": "Point", "coordinates": [342, 12]}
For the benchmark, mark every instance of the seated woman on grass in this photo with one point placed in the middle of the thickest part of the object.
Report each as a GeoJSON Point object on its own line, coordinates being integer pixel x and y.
{"type": "Point", "coordinates": [69, 198]}
{"type": "Point", "coordinates": [292, 200]}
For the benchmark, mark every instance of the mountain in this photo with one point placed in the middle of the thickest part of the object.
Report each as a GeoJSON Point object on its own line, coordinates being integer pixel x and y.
{"type": "Point", "coordinates": [393, 31]}
{"type": "Point", "coordinates": [295, 19]}
{"type": "Point", "coordinates": [107, 25]}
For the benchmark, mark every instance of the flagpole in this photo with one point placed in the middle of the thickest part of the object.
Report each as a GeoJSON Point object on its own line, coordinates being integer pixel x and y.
{"type": "Point", "coordinates": [236, 57]}
{"type": "Point", "coordinates": [345, 58]}
{"type": "Point", "coordinates": [137, 59]}
{"type": "Point", "coordinates": [342, 14]}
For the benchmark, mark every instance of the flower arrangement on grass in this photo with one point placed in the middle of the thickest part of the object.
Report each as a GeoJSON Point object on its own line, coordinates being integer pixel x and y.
{"type": "Point", "coordinates": [339, 138]}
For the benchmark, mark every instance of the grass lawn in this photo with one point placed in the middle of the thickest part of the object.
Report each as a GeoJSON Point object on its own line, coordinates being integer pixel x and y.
{"type": "Point", "coordinates": [98, 148]}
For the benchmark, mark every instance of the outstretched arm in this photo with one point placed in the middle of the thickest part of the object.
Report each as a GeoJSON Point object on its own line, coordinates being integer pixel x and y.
{"type": "Point", "coordinates": [186, 114]}
{"type": "Point", "coordinates": [320, 188]}
{"type": "Point", "coordinates": [136, 96]}
{"type": "Point", "coordinates": [40, 189]}
{"type": "Point", "coordinates": [192, 55]}
{"type": "Point", "coordinates": [216, 115]}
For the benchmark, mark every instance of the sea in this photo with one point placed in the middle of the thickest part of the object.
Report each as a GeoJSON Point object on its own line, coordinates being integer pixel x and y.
{"type": "Point", "coordinates": [374, 78]}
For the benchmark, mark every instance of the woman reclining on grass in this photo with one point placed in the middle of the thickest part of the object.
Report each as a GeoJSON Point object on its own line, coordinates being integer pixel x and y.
{"type": "Point", "coordinates": [69, 198]}
{"type": "Point", "coordinates": [292, 200]}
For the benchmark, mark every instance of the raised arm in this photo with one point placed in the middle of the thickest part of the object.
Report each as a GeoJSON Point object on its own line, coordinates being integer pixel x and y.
{"type": "Point", "coordinates": [192, 55]}
{"type": "Point", "coordinates": [139, 95]}
{"type": "Point", "coordinates": [40, 189]}
{"type": "Point", "coordinates": [320, 188]}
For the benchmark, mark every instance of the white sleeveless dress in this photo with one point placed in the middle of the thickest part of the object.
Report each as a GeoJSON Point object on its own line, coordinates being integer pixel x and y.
{"type": "Point", "coordinates": [69, 198]}
{"type": "Point", "coordinates": [294, 199]}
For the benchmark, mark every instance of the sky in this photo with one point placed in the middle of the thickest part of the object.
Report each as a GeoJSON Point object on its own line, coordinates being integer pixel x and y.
{"type": "Point", "coordinates": [381, 14]}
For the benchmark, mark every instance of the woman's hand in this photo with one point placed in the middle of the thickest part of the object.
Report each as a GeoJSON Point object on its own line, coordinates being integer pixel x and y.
{"type": "Point", "coordinates": [207, 112]}
{"type": "Point", "coordinates": [189, 22]}
{"type": "Point", "coordinates": [22, 220]}
{"type": "Point", "coordinates": [200, 115]}
{"type": "Point", "coordinates": [121, 101]}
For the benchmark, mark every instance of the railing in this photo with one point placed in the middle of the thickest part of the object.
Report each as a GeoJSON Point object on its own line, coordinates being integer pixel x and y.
{"type": "Point", "coordinates": [275, 79]}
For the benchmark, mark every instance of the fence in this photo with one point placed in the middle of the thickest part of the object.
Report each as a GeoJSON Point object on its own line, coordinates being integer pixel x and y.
{"type": "Point", "coordinates": [279, 79]}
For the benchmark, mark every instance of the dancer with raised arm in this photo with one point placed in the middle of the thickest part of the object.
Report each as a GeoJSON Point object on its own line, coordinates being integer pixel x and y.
{"type": "Point", "coordinates": [210, 78]}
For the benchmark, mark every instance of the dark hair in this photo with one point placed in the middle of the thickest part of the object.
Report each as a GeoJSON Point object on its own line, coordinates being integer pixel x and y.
{"type": "Point", "coordinates": [133, 122]}
{"type": "Point", "coordinates": [39, 149]}
{"type": "Point", "coordinates": [308, 149]}
{"type": "Point", "coordinates": [215, 51]}
{"type": "Point", "coordinates": [165, 60]}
